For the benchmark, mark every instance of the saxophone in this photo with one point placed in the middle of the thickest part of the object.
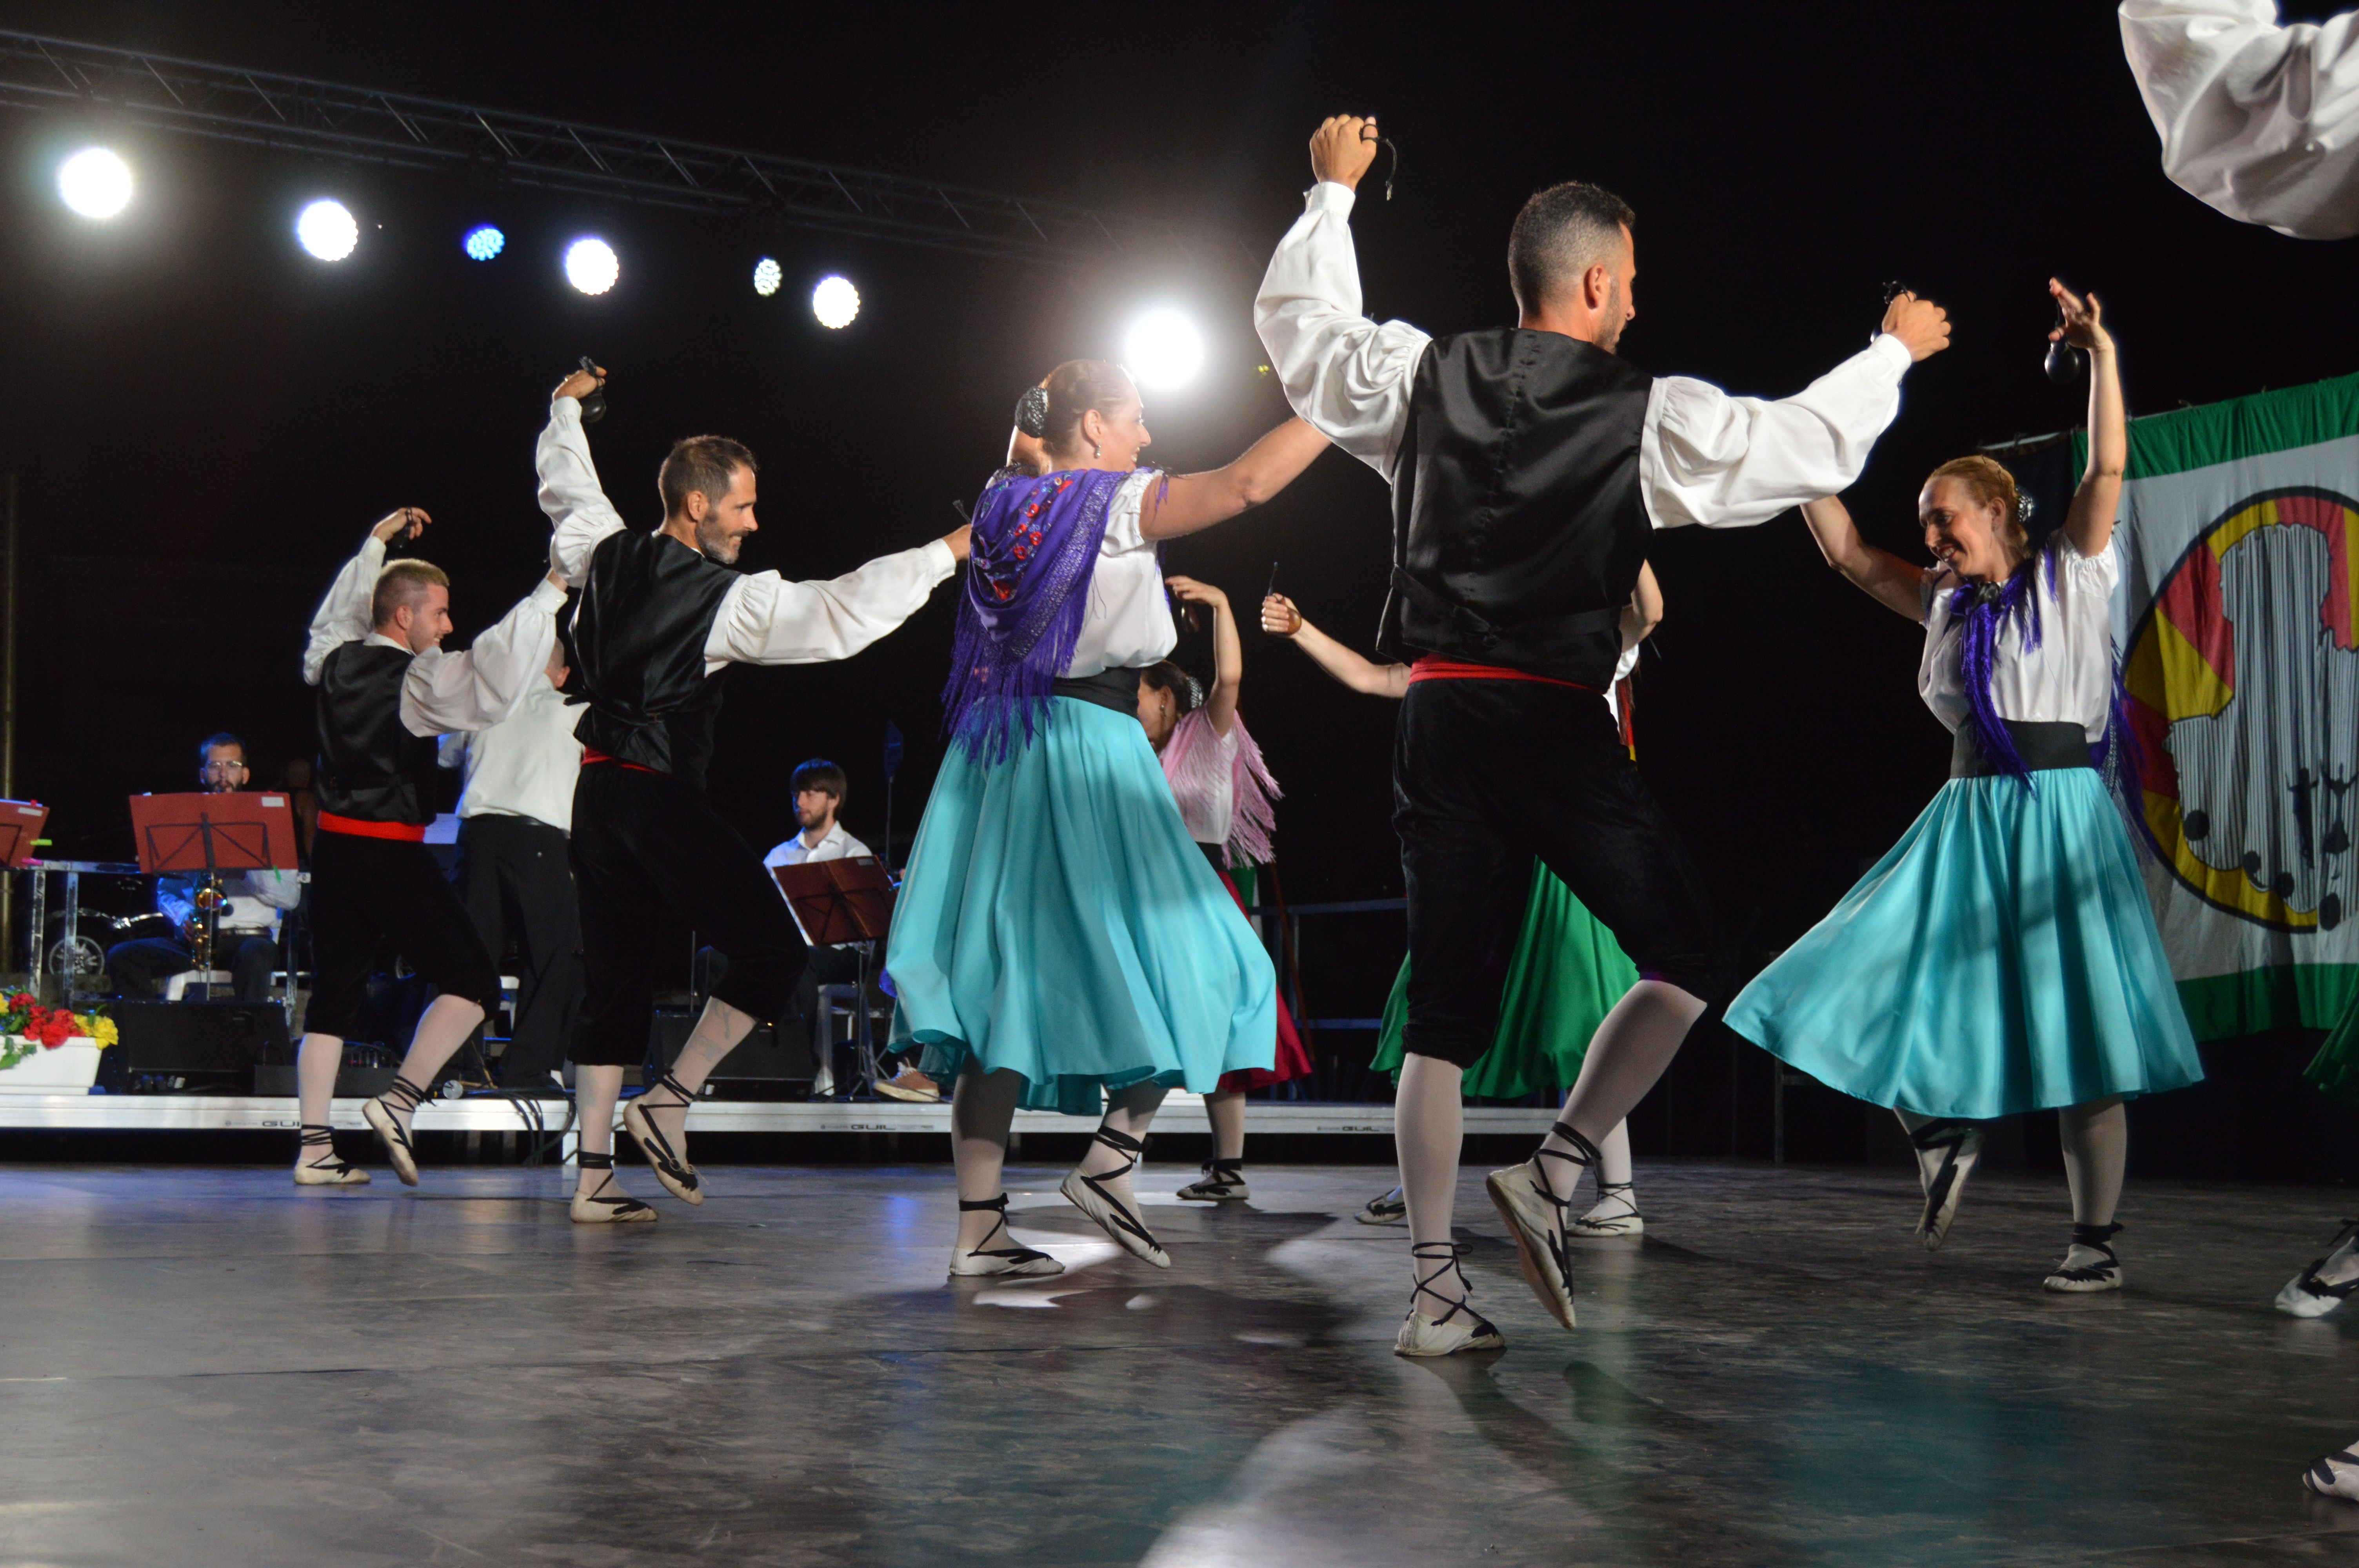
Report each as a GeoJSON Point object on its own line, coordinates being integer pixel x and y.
{"type": "Point", "coordinates": [209, 901]}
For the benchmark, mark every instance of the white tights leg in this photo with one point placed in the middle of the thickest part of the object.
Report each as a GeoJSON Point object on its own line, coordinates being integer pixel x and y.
{"type": "Point", "coordinates": [2096, 1138]}
{"type": "Point", "coordinates": [595, 1090]}
{"type": "Point", "coordinates": [1631, 1049]}
{"type": "Point", "coordinates": [719, 1030]}
{"type": "Point", "coordinates": [982, 1108]}
{"type": "Point", "coordinates": [1429, 1126]}
{"type": "Point", "coordinates": [442, 1028]}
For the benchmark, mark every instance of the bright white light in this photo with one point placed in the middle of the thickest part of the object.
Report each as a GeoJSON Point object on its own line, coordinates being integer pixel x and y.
{"type": "Point", "coordinates": [484, 241]}
{"type": "Point", "coordinates": [835, 302]}
{"type": "Point", "coordinates": [1164, 348]}
{"type": "Point", "coordinates": [591, 264]}
{"type": "Point", "coordinates": [94, 183]}
{"type": "Point", "coordinates": [767, 277]}
{"type": "Point", "coordinates": [327, 229]}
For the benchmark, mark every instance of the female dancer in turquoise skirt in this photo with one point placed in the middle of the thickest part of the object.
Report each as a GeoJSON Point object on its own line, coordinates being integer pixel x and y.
{"type": "Point", "coordinates": [1059, 941]}
{"type": "Point", "coordinates": [1567, 972]}
{"type": "Point", "coordinates": [2002, 957]}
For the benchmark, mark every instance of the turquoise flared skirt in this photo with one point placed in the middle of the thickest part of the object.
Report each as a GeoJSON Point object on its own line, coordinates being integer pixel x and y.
{"type": "Point", "coordinates": [2001, 958]}
{"type": "Point", "coordinates": [1058, 921]}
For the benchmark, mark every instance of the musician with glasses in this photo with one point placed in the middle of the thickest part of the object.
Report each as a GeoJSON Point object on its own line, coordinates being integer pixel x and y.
{"type": "Point", "coordinates": [247, 939]}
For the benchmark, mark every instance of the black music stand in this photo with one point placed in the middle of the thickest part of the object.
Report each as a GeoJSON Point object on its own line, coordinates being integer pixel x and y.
{"type": "Point", "coordinates": [213, 833]}
{"type": "Point", "coordinates": [835, 903]}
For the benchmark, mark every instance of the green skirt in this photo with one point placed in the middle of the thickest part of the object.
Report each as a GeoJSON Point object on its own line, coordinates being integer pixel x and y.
{"type": "Point", "coordinates": [2336, 1068]}
{"type": "Point", "coordinates": [1565, 976]}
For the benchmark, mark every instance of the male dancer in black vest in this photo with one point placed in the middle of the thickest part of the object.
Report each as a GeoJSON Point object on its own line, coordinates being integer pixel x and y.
{"type": "Point", "coordinates": [386, 690]}
{"type": "Point", "coordinates": [662, 615]}
{"type": "Point", "coordinates": [1530, 466]}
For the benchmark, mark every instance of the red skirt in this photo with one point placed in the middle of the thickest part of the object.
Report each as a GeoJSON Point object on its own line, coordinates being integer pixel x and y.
{"type": "Point", "coordinates": [1292, 1060]}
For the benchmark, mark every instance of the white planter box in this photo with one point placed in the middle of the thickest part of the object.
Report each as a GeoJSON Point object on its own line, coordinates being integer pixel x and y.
{"type": "Point", "coordinates": [71, 1069]}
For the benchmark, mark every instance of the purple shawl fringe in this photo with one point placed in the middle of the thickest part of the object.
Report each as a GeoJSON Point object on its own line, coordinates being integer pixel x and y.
{"type": "Point", "coordinates": [1027, 589]}
{"type": "Point", "coordinates": [1982, 612]}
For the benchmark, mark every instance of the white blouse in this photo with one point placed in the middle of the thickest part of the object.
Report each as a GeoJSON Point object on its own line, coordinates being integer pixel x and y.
{"type": "Point", "coordinates": [1127, 625]}
{"type": "Point", "coordinates": [2067, 680]}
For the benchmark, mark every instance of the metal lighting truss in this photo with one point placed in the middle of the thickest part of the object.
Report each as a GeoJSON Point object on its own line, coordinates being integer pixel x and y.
{"type": "Point", "coordinates": [225, 103]}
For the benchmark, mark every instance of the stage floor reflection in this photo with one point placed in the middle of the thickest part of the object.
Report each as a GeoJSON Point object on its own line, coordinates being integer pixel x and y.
{"type": "Point", "coordinates": [205, 1367]}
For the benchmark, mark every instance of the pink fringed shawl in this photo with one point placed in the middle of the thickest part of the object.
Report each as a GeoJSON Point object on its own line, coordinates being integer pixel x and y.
{"type": "Point", "coordinates": [1194, 763]}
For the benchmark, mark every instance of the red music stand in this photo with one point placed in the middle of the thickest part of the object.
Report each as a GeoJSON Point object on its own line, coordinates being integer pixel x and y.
{"type": "Point", "coordinates": [20, 829]}
{"type": "Point", "coordinates": [252, 831]}
{"type": "Point", "coordinates": [834, 902]}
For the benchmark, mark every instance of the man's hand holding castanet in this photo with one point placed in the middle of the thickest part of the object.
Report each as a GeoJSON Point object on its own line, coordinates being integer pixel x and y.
{"type": "Point", "coordinates": [1922, 326]}
{"type": "Point", "coordinates": [1342, 148]}
{"type": "Point", "coordinates": [404, 523]}
{"type": "Point", "coordinates": [580, 384]}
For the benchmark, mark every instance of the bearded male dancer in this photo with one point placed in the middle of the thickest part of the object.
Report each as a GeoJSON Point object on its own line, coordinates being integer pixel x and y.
{"type": "Point", "coordinates": [386, 690]}
{"type": "Point", "coordinates": [662, 617]}
{"type": "Point", "coordinates": [1530, 466]}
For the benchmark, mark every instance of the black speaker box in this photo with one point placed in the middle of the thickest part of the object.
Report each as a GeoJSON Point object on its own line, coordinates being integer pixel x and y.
{"type": "Point", "coordinates": [351, 1083]}
{"type": "Point", "coordinates": [204, 1041]}
{"type": "Point", "coordinates": [763, 1058]}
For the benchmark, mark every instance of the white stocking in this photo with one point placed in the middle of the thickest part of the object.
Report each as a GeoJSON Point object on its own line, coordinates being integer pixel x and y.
{"type": "Point", "coordinates": [2096, 1138]}
{"type": "Point", "coordinates": [1630, 1050]}
{"type": "Point", "coordinates": [595, 1090]}
{"type": "Point", "coordinates": [983, 1107]}
{"type": "Point", "coordinates": [1429, 1126]}
{"type": "Point", "coordinates": [442, 1028]}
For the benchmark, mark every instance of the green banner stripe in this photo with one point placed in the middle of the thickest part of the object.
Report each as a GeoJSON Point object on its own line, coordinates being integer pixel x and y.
{"type": "Point", "coordinates": [2240, 427]}
{"type": "Point", "coordinates": [2306, 996]}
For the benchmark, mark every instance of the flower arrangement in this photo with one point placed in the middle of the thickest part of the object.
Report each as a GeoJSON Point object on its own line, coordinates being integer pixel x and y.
{"type": "Point", "coordinates": [26, 1026]}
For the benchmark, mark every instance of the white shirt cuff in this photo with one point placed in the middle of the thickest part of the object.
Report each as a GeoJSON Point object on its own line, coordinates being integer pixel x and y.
{"type": "Point", "coordinates": [1895, 352]}
{"type": "Point", "coordinates": [1330, 195]}
{"type": "Point", "coordinates": [939, 556]}
{"type": "Point", "coordinates": [565, 406]}
{"type": "Point", "coordinates": [547, 595]}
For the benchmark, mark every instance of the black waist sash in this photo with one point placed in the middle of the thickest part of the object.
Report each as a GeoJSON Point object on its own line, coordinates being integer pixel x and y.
{"type": "Point", "coordinates": [2041, 746]}
{"type": "Point", "coordinates": [1117, 689]}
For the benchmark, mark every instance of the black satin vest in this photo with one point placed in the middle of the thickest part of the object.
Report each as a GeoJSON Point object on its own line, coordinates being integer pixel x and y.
{"type": "Point", "coordinates": [647, 611]}
{"type": "Point", "coordinates": [1518, 529]}
{"type": "Point", "coordinates": [371, 767]}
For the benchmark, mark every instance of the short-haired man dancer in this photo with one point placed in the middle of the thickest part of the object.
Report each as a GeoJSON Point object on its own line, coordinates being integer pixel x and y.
{"type": "Point", "coordinates": [386, 690]}
{"type": "Point", "coordinates": [1530, 466]}
{"type": "Point", "coordinates": [661, 616]}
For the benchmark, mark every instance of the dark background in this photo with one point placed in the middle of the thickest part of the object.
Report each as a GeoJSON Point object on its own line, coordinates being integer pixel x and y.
{"type": "Point", "coordinates": [206, 420]}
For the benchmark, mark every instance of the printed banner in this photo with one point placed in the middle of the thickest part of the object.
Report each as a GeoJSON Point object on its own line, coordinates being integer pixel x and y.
{"type": "Point", "coordinates": [2238, 622]}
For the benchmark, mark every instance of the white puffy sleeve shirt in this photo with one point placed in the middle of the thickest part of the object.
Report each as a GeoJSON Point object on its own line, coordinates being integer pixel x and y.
{"type": "Point", "coordinates": [1127, 625]}
{"type": "Point", "coordinates": [2258, 121]}
{"type": "Point", "coordinates": [2067, 680]}
{"type": "Point", "coordinates": [1705, 457]}
{"type": "Point", "coordinates": [764, 619]}
{"type": "Point", "coordinates": [442, 693]}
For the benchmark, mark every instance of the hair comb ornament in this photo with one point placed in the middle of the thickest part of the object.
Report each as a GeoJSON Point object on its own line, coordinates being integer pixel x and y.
{"type": "Point", "coordinates": [1032, 412]}
{"type": "Point", "coordinates": [2023, 508]}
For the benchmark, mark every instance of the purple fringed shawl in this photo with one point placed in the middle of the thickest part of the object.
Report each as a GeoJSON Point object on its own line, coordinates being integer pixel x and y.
{"type": "Point", "coordinates": [1027, 587]}
{"type": "Point", "coordinates": [1981, 611]}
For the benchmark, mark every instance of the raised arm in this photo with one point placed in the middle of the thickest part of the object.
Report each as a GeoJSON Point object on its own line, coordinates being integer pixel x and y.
{"type": "Point", "coordinates": [1881, 575]}
{"type": "Point", "coordinates": [1228, 652]}
{"type": "Point", "coordinates": [1344, 373]}
{"type": "Point", "coordinates": [765, 620]}
{"type": "Point", "coordinates": [343, 615]}
{"type": "Point", "coordinates": [1280, 618]}
{"type": "Point", "coordinates": [2258, 121]}
{"type": "Point", "coordinates": [2089, 525]}
{"type": "Point", "coordinates": [577, 507]}
{"type": "Point", "coordinates": [1645, 610]}
{"type": "Point", "coordinates": [1189, 503]}
{"type": "Point", "coordinates": [478, 688]}
{"type": "Point", "coordinates": [1731, 462]}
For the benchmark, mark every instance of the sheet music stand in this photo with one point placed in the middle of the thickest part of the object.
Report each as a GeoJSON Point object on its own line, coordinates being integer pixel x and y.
{"type": "Point", "coordinates": [20, 829]}
{"type": "Point", "coordinates": [210, 834]}
{"type": "Point", "coordinates": [835, 903]}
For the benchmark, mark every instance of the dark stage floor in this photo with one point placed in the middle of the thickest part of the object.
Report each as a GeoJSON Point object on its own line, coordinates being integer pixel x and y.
{"type": "Point", "coordinates": [205, 1367]}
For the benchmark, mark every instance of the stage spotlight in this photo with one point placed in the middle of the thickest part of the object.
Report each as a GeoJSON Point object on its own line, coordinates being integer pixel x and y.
{"type": "Point", "coordinates": [1164, 348]}
{"type": "Point", "coordinates": [767, 277]}
{"type": "Point", "coordinates": [591, 264]}
{"type": "Point", "coordinates": [484, 241]}
{"type": "Point", "coordinates": [835, 302]}
{"type": "Point", "coordinates": [327, 229]}
{"type": "Point", "coordinates": [94, 183]}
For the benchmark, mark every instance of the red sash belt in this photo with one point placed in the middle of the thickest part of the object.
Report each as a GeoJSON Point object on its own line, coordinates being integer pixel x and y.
{"type": "Point", "coordinates": [408, 832]}
{"type": "Point", "coordinates": [1435, 667]}
{"type": "Point", "coordinates": [592, 754]}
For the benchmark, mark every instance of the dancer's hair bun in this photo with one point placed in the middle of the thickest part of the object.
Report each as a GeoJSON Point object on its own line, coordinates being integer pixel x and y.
{"type": "Point", "coordinates": [1032, 412]}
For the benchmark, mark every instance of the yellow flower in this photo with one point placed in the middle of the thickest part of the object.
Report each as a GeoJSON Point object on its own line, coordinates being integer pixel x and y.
{"type": "Point", "coordinates": [100, 1028]}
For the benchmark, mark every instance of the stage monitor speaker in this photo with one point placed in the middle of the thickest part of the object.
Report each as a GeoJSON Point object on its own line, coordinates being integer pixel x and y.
{"type": "Point", "coordinates": [351, 1083]}
{"type": "Point", "coordinates": [762, 1064]}
{"type": "Point", "coordinates": [207, 1044]}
